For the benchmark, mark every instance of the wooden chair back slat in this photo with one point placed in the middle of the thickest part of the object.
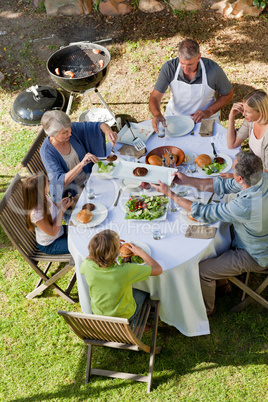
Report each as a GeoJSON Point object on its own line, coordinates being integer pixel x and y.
{"type": "Point", "coordinates": [32, 160]}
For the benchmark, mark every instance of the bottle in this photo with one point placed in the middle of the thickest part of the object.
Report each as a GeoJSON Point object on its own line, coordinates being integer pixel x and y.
{"type": "Point", "coordinates": [172, 162]}
{"type": "Point", "coordinates": [163, 160]}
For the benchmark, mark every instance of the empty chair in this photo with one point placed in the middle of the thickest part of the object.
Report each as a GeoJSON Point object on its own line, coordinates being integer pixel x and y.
{"type": "Point", "coordinates": [12, 219]}
{"type": "Point", "coordinates": [113, 332]}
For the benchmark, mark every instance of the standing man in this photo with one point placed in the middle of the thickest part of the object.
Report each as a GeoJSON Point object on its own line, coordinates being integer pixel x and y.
{"type": "Point", "coordinates": [194, 82]}
{"type": "Point", "coordinates": [248, 213]}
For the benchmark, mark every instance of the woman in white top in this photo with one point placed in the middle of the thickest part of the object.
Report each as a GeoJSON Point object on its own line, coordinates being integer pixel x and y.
{"type": "Point", "coordinates": [45, 217]}
{"type": "Point", "coordinates": [254, 108]}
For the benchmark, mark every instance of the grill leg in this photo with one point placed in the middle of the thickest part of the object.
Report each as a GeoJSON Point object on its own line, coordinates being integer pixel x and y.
{"type": "Point", "coordinates": [70, 103]}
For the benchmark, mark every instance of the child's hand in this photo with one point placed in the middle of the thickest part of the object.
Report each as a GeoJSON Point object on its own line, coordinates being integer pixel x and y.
{"type": "Point", "coordinates": [135, 249]}
{"type": "Point", "coordinates": [66, 203]}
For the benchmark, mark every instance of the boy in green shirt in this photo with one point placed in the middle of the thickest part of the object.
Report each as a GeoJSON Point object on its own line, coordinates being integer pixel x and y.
{"type": "Point", "coordinates": [110, 284]}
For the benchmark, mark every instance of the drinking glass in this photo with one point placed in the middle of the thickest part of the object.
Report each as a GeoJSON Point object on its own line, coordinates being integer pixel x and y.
{"type": "Point", "coordinates": [89, 190]}
{"type": "Point", "coordinates": [156, 232]}
{"type": "Point", "coordinates": [130, 155]}
{"type": "Point", "coordinates": [161, 130]}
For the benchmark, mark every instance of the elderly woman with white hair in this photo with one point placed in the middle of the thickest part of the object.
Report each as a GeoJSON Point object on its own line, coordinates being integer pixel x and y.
{"type": "Point", "coordinates": [69, 151]}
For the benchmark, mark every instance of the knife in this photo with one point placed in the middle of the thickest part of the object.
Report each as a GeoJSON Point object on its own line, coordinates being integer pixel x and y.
{"type": "Point", "coordinates": [119, 193]}
{"type": "Point", "coordinates": [210, 198]}
{"type": "Point", "coordinates": [214, 150]}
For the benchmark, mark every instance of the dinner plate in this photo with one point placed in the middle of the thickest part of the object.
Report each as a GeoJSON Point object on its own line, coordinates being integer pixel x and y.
{"type": "Point", "coordinates": [130, 185]}
{"type": "Point", "coordinates": [161, 218]}
{"type": "Point", "coordinates": [143, 132]}
{"type": "Point", "coordinates": [104, 175]}
{"type": "Point", "coordinates": [142, 245]}
{"type": "Point", "coordinates": [99, 215]}
{"type": "Point", "coordinates": [228, 161]}
{"type": "Point", "coordinates": [177, 126]}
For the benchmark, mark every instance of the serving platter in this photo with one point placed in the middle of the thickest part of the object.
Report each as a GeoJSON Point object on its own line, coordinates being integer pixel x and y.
{"type": "Point", "coordinates": [228, 162]}
{"type": "Point", "coordinates": [142, 245]}
{"type": "Point", "coordinates": [141, 131]}
{"type": "Point", "coordinates": [177, 126]}
{"type": "Point", "coordinates": [100, 213]}
{"type": "Point", "coordinates": [124, 170]}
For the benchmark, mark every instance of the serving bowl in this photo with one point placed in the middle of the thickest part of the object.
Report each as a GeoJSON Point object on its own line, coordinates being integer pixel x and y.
{"type": "Point", "coordinates": [160, 151]}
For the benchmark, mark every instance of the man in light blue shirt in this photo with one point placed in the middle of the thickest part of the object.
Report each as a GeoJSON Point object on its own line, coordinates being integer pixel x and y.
{"type": "Point", "coordinates": [248, 213]}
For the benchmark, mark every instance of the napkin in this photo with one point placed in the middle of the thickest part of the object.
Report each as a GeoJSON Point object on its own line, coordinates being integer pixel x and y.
{"type": "Point", "coordinates": [206, 128]}
{"type": "Point", "coordinates": [200, 232]}
{"type": "Point", "coordinates": [136, 154]}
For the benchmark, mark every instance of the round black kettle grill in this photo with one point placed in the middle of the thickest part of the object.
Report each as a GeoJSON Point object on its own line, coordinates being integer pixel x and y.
{"type": "Point", "coordinates": [79, 68]}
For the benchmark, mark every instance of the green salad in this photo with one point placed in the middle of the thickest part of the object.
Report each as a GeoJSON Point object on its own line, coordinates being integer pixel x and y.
{"type": "Point", "coordinates": [105, 167]}
{"type": "Point", "coordinates": [214, 168]}
{"type": "Point", "coordinates": [146, 207]}
{"type": "Point", "coordinates": [135, 259]}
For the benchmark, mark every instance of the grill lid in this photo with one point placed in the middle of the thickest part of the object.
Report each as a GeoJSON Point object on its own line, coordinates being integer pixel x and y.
{"type": "Point", "coordinates": [30, 105]}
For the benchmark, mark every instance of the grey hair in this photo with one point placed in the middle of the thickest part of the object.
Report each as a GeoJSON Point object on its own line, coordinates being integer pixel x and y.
{"type": "Point", "coordinates": [54, 121]}
{"type": "Point", "coordinates": [189, 49]}
{"type": "Point", "coordinates": [249, 166]}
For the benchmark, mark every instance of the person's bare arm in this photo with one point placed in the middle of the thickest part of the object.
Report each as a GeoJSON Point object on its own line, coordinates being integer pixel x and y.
{"type": "Point", "coordinates": [52, 229]}
{"type": "Point", "coordinates": [155, 108]}
{"type": "Point", "coordinates": [73, 173]}
{"type": "Point", "coordinates": [232, 140]}
{"type": "Point", "coordinates": [109, 133]}
{"type": "Point", "coordinates": [217, 105]}
{"type": "Point", "coordinates": [201, 184]}
{"type": "Point", "coordinates": [156, 268]}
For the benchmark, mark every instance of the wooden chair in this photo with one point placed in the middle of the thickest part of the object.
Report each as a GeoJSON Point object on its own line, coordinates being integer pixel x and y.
{"type": "Point", "coordinates": [113, 332]}
{"type": "Point", "coordinates": [32, 160]}
{"type": "Point", "coordinates": [12, 220]}
{"type": "Point", "coordinates": [252, 294]}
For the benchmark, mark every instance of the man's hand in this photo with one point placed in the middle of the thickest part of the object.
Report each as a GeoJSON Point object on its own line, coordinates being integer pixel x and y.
{"type": "Point", "coordinates": [200, 115]}
{"type": "Point", "coordinates": [180, 178]}
{"type": "Point", "coordinates": [161, 188]}
{"type": "Point", "coordinates": [227, 175]}
{"type": "Point", "coordinates": [156, 120]}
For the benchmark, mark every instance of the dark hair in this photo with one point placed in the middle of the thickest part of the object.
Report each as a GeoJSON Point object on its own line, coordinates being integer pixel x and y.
{"type": "Point", "coordinates": [189, 49]}
{"type": "Point", "coordinates": [249, 166]}
{"type": "Point", "coordinates": [33, 192]}
{"type": "Point", "coordinates": [104, 248]}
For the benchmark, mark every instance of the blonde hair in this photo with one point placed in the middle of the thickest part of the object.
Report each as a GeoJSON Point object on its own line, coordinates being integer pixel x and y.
{"type": "Point", "coordinates": [104, 248]}
{"type": "Point", "coordinates": [258, 101]}
{"type": "Point", "coordinates": [33, 192]}
{"type": "Point", "coordinates": [53, 121]}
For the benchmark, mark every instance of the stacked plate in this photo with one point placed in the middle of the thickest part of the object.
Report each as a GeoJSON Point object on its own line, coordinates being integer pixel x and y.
{"type": "Point", "coordinates": [178, 126]}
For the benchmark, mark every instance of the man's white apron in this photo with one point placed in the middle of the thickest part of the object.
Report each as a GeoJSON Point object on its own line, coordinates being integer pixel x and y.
{"type": "Point", "coordinates": [186, 99]}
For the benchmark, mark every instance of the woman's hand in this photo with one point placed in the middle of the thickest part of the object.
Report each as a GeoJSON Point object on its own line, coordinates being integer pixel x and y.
{"type": "Point", "coordinates": [237, 108]}
{"type": "Point", "coordinates": [109, 133]}
{"type": "Point", "coordinates": [89, 158]}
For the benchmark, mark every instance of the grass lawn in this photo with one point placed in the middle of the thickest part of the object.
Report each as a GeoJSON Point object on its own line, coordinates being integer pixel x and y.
{"type": "Point", "coordinates": [41, 359]}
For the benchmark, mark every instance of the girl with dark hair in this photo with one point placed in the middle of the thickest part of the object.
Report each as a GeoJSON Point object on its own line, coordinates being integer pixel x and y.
{"type": "Point", "coordinates": [45, 217]}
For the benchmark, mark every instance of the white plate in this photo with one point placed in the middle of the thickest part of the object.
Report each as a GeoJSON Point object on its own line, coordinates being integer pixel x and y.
{"type": "Point", "coordinates": [140, 131]}
{"type": "Point", "coordinates": [130, 185]}
{"type": "Point", "coordinates": [178, 126]}
{"type": "Point", "coordinates": [124, 170]}
{"type": "Point", "coordinates": [161, 218]}
{"type": "Point", "coordinates": [99, 215]}
{"type": "Point", "coordinates": [142, 245]}
{"type": "Point", "coordinates": [228, 161]}
{"type": "Point", "coordinates": [95, 170]}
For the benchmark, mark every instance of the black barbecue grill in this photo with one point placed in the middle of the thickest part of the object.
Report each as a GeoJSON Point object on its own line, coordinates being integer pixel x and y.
{"type": "Point", "coordinates": [89, 69]}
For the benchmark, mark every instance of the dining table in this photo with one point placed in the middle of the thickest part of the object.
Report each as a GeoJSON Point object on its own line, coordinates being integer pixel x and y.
{"type": "Point", "coordinates": [178, 287]}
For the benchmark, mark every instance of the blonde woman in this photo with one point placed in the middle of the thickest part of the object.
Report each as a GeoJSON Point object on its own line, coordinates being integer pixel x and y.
{"type": "Point", "coordinates": [254, 108]}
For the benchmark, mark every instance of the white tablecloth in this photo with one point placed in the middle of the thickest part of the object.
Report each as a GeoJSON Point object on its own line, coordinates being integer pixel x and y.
{"type": "Point", "coordinates": [178, 287]}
